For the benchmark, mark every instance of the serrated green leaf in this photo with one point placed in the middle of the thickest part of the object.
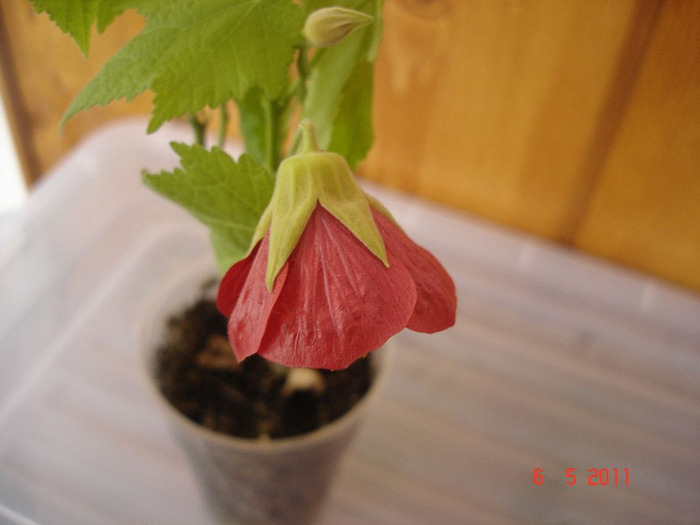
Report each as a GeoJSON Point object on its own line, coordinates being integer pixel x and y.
{"type": "Point", "coordinates": [226, 52]}
{"type": "Point", "coordinates": [341, 79]}
{"type": "Point", "coordinates": [126, 75]}
{"type": "Point", "coordinates": [74, 17]}
{"type": "Point", "coordinates": [108, 11]}
{"type": "Point", "coordinates": [226, 195]}
{"type": "Point", "coordinates": [198, 54]}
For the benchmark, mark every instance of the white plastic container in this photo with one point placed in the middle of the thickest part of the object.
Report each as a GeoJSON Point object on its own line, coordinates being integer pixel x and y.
{"type": "Point", "coordinates": [557, 360]}
{"type": "Point", "coordinates": [248, 481]}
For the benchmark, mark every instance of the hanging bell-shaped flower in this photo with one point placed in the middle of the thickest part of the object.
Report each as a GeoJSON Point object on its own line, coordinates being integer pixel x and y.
{"type": "Point", "coordinates": [329, 277]}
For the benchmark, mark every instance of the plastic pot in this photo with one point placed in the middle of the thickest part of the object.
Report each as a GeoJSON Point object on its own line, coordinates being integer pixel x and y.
{"type": "Point", "coordinates": [247, 481]}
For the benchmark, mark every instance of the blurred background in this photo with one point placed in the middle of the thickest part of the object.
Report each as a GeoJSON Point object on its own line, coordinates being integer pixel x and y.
{"type": "Point", "coordinates": [577, 121]}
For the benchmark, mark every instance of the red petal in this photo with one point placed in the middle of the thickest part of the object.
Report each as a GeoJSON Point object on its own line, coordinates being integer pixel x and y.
{"type": "Point", "coordinates": [249, 317]}
{"type": "Point", "coordinates": [232, 283]}
{"type": "Point", "coordinates": [437, 302]}
{"type": "Point", "coordinates": [339, 301]}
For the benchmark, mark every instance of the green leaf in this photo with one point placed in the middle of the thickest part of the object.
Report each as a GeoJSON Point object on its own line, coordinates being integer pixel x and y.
{"type": "Point", "coordinates": [342, 79]}
{"type": "Point", "coordinates": [198, 54]}
{"type": "Point", "coordinates": [225, 253]}
{"type": "Point", "coordinates": [108, 11]}
{"type": "Point", "coordinates": [128, 74]}
{"type": "Point", "coordinates": [74, 17]}
{"type": "Point", "coordinates": [227, 196]}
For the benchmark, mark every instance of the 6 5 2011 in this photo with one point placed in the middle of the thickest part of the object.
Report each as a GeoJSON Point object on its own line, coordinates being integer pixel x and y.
{"type": "Point", "coordinates": [594, 477]}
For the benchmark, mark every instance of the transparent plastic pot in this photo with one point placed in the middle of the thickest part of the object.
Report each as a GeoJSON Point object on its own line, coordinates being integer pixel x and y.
{"type": "Point", "coordinates": [246, 481]}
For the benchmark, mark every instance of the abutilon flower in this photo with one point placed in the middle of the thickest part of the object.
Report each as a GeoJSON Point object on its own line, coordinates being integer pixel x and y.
{"type": "Point", "coordinates": [330, 276]}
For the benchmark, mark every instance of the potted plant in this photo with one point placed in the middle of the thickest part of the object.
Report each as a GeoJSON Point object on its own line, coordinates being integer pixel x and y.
{"type": "Point", "coordinates": [317, 275]}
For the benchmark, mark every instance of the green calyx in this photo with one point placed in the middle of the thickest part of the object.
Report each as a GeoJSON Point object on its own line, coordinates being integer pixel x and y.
{"type": "Point", "coordinates": [303, 180]}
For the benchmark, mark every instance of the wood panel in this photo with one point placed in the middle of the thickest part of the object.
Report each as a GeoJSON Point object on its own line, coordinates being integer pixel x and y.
{"type": "Point", "coordinates": [645, 210]}
{"type": "Point", "coordinates": [574, 120]}
{"type": "Point", "coordinates": [44, 71]}
{"type": "Point", "coordinates": [490, 106]}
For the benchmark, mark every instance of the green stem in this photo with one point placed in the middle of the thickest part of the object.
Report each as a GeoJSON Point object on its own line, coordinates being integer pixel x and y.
{"type": "Point", "coordinates": [276, 112]}
{"type": "Point", "coordinates": [199, 127]}
{"type": "Point", "coordinates": [304, 67]}
{"type": "Point", "coordinates": [223, 125]}
{"type": "Point", "coordinates": [273, 116]}
{"type": "Point", "coordinates": [304, 70]}
{"type": "Point", "coordinates": [270, 155]}
{"type": "Point", "coordinates": [308, 137]}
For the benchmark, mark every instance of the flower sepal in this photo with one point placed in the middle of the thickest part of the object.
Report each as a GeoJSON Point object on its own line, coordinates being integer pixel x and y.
{"type": "Point", "coordinates": [313, 176]}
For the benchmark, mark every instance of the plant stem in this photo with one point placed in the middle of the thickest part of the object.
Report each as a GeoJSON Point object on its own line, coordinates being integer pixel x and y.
{"type": "Point", "coordinates": [223, 125]}
{"type": "Point", "coordinates": [308, 137]}
{"type": "Point", "coordinates": [300, 90]}
{"type": "Point", "coordinates": [199, 127]}
{"type": "Point", "coordinates": [303, 69]}
{"type": "Point", "coordinates": [276, 113]}
{"type": "Point", "coordinates": [270, 139]}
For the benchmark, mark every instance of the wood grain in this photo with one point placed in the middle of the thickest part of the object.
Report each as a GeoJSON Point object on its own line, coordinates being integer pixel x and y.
{"type": "Point", "coordinates": [489, 106]}
{"type": "Point", "coordinates": [645, 211]}
{"type": "Point", "coordinates": [48, 71]}
{"type": "Point", "coordinates": [573, 120]}
{"type": "Point", "coordinates": [617, 99]}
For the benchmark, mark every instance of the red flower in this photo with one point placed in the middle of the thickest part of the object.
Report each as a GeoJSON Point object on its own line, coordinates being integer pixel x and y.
{"type": "Point", "coordinates": [334, 301]}
{"type": "Point", "coordinates": [329, 277]}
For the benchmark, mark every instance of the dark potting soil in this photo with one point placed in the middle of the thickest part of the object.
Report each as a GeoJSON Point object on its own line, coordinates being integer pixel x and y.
{"type": "Point", "coordinates": [199, 375]}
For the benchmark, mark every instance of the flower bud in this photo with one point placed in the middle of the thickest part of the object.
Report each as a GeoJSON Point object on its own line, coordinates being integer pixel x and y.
{"type": "Point", "coordinates": [330, 25]}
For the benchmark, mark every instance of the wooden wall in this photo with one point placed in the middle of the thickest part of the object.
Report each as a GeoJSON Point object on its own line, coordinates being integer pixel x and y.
{"type": "Point", "coordinates": [576, 120]}
{"type": "Point", "coordinates": [41, 71]}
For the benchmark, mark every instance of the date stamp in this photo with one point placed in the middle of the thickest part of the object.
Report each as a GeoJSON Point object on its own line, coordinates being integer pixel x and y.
{"type": "Point", "coordinates": [594, 477]}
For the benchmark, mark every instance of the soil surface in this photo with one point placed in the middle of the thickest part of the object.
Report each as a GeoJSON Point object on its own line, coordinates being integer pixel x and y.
{"type": "Point", "coordinates": [198, 373]}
